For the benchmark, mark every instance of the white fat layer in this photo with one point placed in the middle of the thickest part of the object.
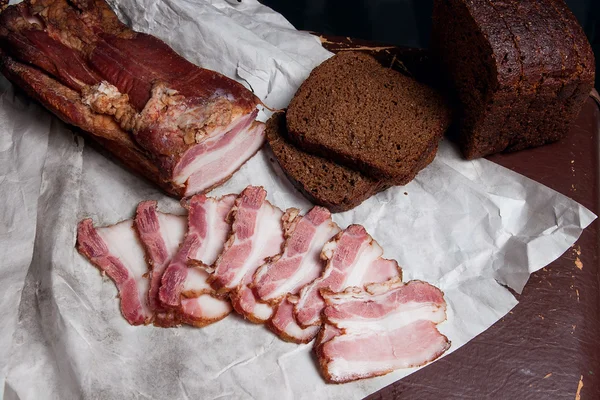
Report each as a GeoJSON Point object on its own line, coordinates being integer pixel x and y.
{"type": "Point", "coordinates": [311, 266]}
{"type": "Point", "coordinates": [294, 330]}
{"type": "Point", "coordinates": [206, 306]}
{"type": "Point", "coordinates": [196, 280]}
{"type": "Point", "coordinates": [340, 368]}
{"type": "Point", "coordinates": [368, 253]}
{"type": "Point", "coordinates": [262, 311]}
{"type": "Point", "coordinates": [266, 241]}
{"type": "Point", "coordinates": [209, 207]}
{"type": "Point", "coordinates": [402, 316]}
{"type": "Point", "coordinates": [359, 294]}
{"type": "Point", "coordinates": [228, 159]}
{"type": "Point", "coordinates": [308, 290]}
{"type": "Point", "coordinates": [214, 136]}
{"type": "Point", "coordinates": [172, 231]}
{"type": "Point", "coordinates": [123, 243]}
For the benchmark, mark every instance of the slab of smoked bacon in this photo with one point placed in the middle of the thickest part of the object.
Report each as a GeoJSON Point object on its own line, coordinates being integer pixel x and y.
{"type": "Point", "coordinates": [186, 128]}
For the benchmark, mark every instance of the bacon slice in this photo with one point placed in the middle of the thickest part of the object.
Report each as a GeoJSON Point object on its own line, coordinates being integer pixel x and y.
{"type": "Point", "coordinates": [298, 265]}
{"type": "Point", "coordinates": [160, 234]}
{"type": "Point", "coordinates": [386, 327]}
{"type": "Point", "coordinates": [353, 259]}
{"type": "Point", "coordinates": [184, 127]}
{"type": "Point", "coordinates": [256, 235]}
{"type": "Point", "coordinates": [283, 323]}
{"type": "Point", "coordinates": [117, 251]}
{"type": "Point", "coordinates": [185, 287]}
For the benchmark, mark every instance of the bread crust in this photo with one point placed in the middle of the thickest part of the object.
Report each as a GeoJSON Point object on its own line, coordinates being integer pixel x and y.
{"type": "Point", "coordinates": [557, 71]}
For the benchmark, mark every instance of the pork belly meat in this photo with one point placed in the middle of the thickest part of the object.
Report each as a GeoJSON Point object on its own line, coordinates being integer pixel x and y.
{"type": "Point", "coordinates": [383, 328]}
{"type": "Point", "coordinates": [186, 128]}
{"type": "Point", "coordinates": [116, 251]}
{"type": "Point", "coordinates": [299, 264]}
{"type": "Point", "coordinates": [353, 259]}
{"type": "Point", "coordinates": [184, 285]}
{"type": "Point", "coordinates": [256, 236]}
{"type": "Point", "coordinates": [283, 323]}
{"type": "Point", "coordinates": [160, 234]}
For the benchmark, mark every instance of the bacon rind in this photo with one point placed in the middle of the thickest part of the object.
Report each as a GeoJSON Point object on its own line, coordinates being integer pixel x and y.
{"type": "Point", "coordinates": [284, 310]}
{"type": "Point", "coordinates": [93, 247]}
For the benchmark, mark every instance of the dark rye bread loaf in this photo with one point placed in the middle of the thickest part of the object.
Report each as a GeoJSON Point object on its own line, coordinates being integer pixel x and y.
{"type": "Point", "coordinates": [367, 117]}
{"type": "Point", "coordinates": [528, 71]}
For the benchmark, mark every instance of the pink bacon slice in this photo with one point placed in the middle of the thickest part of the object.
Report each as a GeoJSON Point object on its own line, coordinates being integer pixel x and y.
{"type": "Point", "coordinates": [184, 286]}
{"type": "Point", "coordinates": [353, 259]}
{"type": "Point", "coordinates": [299, 264]}
{"type": "Point", "coordinates": [383, 328]}
{"type": "Point", "coordinates": [256, 235]}
{"type": "Point", "coordinates": [161, 235]}
{"type": "Point", "coordinates": [117, 251]}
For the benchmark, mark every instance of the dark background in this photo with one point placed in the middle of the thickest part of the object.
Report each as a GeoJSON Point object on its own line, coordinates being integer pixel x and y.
{"type": "Point", "coordinates": [399, 22]}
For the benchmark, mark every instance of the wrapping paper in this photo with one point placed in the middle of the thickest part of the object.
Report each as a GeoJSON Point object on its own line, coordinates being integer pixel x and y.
{"type": "Point", "coordinates": [472, 228]}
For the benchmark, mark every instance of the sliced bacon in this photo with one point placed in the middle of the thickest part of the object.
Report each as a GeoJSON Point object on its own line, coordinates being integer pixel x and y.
{"type": "Point", "coordinates": [284, 325]}
{"type": "Point", "coordinates": [256, 235]}
{"type": "Point", "coordinates": [299, 264]}
{"type": "Point", "coordinates": [160, 234]}
{"type": "Point", "coordinates": [117, 251]}
{"type": "Point", "coordinates": [353, 259]}
{"type": "Point", "coordinates": [386, 327]}
{"type": "Point", "coordinates": [184, 286]}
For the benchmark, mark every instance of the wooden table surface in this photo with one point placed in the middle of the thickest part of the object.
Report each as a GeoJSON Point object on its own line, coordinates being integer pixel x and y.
{"type": "Point", "coordinates": [548, 346]}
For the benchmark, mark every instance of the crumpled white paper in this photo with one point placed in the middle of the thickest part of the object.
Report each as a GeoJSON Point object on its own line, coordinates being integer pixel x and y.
{"type": "Point", "coordinates": [467, 226]}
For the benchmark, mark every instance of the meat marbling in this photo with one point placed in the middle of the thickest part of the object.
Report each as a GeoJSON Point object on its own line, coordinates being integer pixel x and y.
{"type": "Point", "coordinates": [160, 235]}
{"type": "Point", "coordinates": [184, 286]}
{"type": "Point", "coordinates": [256, 235]}
{"type": "Point", "coordinates": [300, 263]}
{"type": "Point", "coordinates": [353, 259]}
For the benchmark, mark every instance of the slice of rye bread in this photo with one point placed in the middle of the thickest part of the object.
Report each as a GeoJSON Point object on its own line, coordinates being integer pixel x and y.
{"type": "Point", "coordinates": [322, 181]}
{"type": "Point", "coordinates": [367, 117]}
